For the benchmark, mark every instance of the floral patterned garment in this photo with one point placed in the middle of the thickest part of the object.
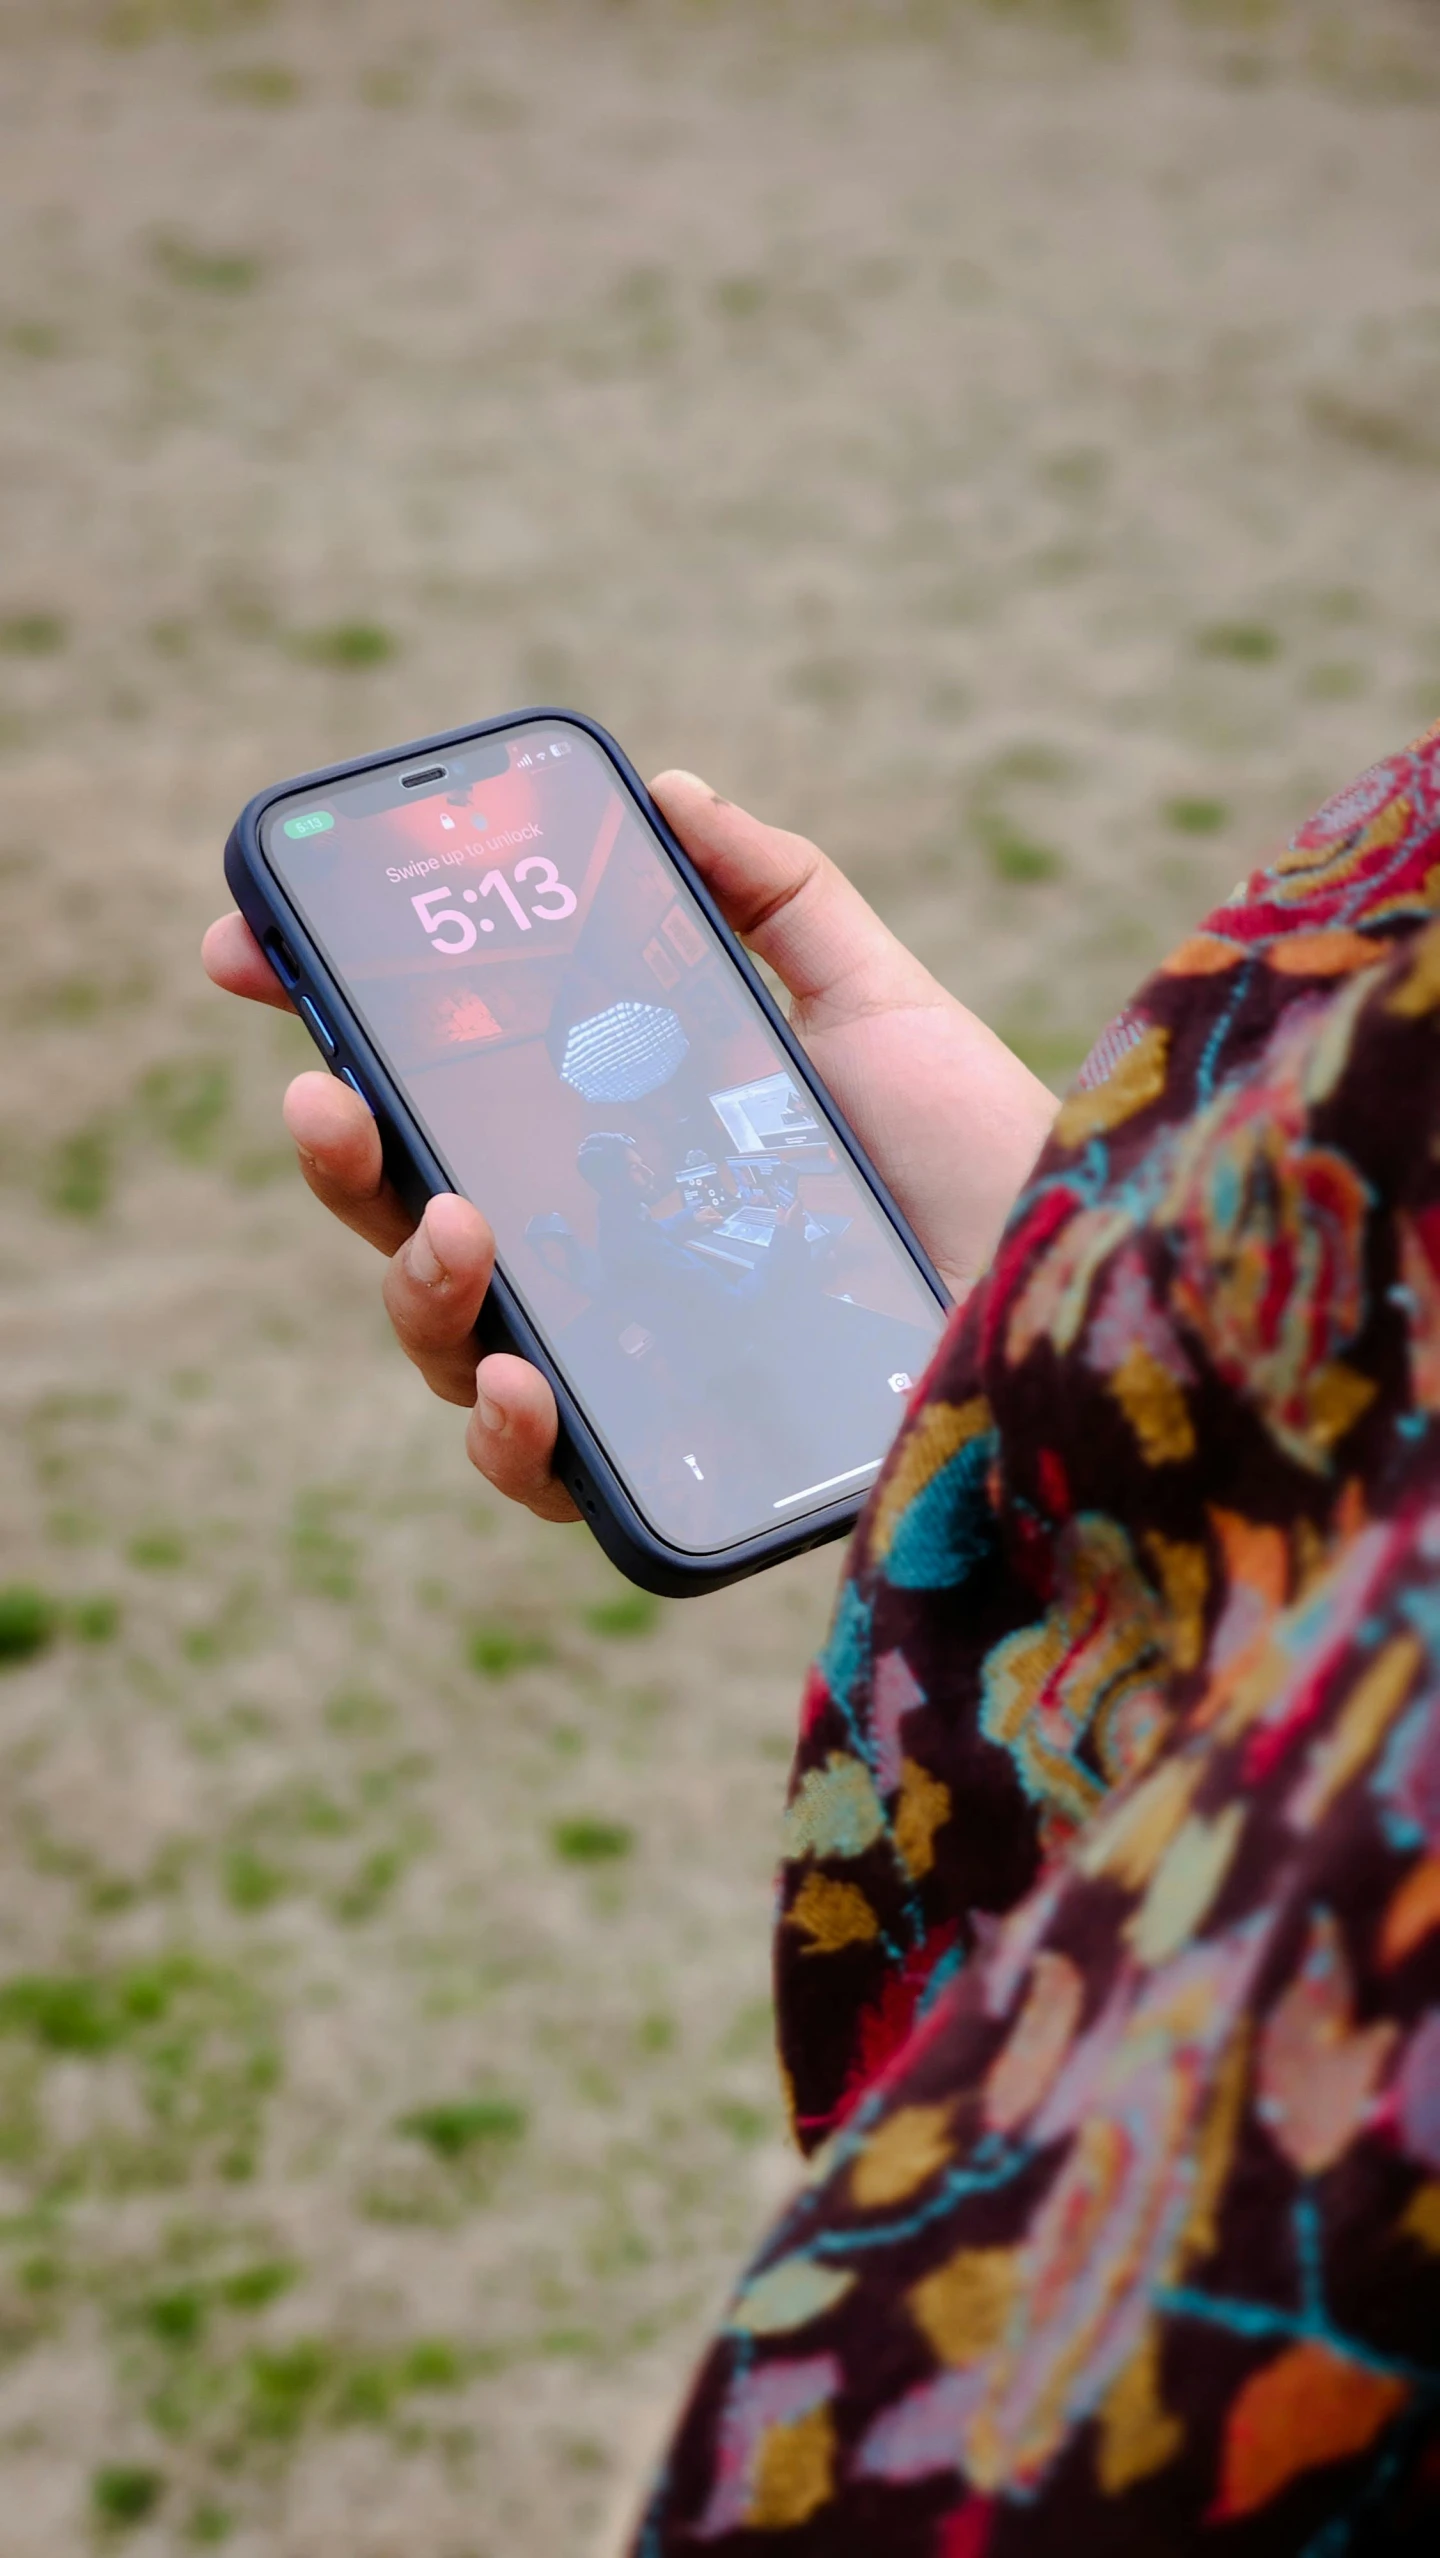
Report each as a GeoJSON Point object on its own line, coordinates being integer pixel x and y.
{"type": "Point", "coordinates": [1109, 1937]}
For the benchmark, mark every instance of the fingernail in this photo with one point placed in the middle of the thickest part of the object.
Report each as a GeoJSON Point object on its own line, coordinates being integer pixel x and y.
{"type": "Point", "coordinates": [701, 784]}
{"type": "Point", "coordinates": [492, 1414]}
{"type": "Point", "coordinates": [422, 1260]}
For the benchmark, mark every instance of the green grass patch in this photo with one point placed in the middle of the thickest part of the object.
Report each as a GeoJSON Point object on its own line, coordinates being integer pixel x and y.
{"type": "Point", "coordinates": [255, 2286]}
{"type": "Point", "coordinates": [629, 1612]}
{"type": "Point", "coordinates": [1020, 859]}
{"type": "Point", "coordinates": [95, 1620]}
{"type": "Point", "coordinates": [80, 1174]}
{"type": "Point", "coordinates": [258, 84]}
{"type": "Point", "coordinates": [452, 2132]}
{"type": "Point", "coordinates": [209, 2525]}
{"type": "Point", "coordinates": [129, 23]}
{"type": "Point", "coordinates": [315, 2381]}
{"type": "Point", "coordinates": [185, 1103]}
{"type": "Point", "coordinates": [181, 2319]}
{"type": "Point", "coordinates": [201, 2062]}
{"type": "Point", "coordinates": [178, 2319]}
{"type": "Point", "coordinates": [744, 2123]}
{"type": "Point", "coordinates": [39, 339]}
{"type": "Point", "coordinates": [198, 269]}
{"type": "Point", "coordinates": [284, 2385]}
{"type": "Point", "coordinates": [87, 2014]}
{"type": "Point", "coordinates": [33, 634]}
{"type": "Point", "coordinates": [1196, 816]}
{"type": "Point", "coordinates": [371, 1886]}
{"type": "Point", "coordinates": [28, 1622]}
{"type": "Point", "coordinates": [495, 1650]}
{"type": "Point", "coordinates": [358, 1714]}
{"type": "Point", "coordinates": [252, 1882]}
{"type": "Point", "coordinates": [586, 1841]}
{"type": "Point", "coordinates": [349, 647]}
{"type": "Point", "coordinates": [322, 1561]}
{"type": "Point", "coordinates": [387, 85]}
{"type": "Point", "coordinates": [121, 2497]}
{"type": "Point", "coordinates": [1243, 643]}
{"type": "Point", "coordinates": [1054, 1055]}
{"type": "Point", "coordinates": [157, 1550]}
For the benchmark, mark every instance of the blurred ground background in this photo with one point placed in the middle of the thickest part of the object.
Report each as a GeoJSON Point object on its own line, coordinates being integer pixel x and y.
{"type": "Point", "coordinates": [1004, 441]}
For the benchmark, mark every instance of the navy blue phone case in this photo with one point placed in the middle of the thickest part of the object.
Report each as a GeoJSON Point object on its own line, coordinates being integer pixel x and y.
{"type": "Point", "coordinates": [582, 1463]}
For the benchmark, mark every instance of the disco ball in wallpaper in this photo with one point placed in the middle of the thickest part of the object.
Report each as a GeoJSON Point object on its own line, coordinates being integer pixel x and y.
{"type": "Point", "coordinates": [624, 1052]}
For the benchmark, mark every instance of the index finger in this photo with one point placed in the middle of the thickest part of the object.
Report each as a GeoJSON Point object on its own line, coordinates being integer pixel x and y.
{"type": "Point", "coordinates": [232, 956]}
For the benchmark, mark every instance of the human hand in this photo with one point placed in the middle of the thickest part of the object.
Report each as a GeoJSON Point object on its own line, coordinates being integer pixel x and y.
{"type": "Point", "coordinates": [948, 1115]}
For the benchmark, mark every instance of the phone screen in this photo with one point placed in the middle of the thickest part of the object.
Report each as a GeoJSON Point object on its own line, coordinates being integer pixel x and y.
{"type": "Point", "coordinates": [731, 1308]}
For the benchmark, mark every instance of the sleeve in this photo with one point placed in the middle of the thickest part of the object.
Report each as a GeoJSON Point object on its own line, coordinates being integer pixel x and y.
{"type": "Point", "coordinates": [1002, 1647]}
{"type": "Point", "coordinates": [1110, 1913]}
{"type": "Point", "coordinates": [1136, 2247]}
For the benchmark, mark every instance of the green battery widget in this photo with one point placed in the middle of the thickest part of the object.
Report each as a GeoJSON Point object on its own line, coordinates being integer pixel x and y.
{"type": "Point", "coordinates": [316, 821]}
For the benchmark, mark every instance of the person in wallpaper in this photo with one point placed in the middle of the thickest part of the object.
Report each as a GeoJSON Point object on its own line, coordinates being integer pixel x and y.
{"type": "Point", "coordinates": [1108, 1944]}
{"type": "Point", "coordinates": [643, 1255]}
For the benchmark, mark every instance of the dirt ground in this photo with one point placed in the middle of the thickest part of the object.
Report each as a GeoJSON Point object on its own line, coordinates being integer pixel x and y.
{"type": "Point", "coordinates": [1001, 440]}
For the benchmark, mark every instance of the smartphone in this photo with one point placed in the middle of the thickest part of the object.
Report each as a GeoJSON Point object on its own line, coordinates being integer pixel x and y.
{"type": "Point", "coordinates": [495, 939]}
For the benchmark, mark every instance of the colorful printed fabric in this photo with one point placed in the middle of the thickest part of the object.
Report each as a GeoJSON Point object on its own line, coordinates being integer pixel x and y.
{"type": "Point", "coordinates": [1109, 1938]}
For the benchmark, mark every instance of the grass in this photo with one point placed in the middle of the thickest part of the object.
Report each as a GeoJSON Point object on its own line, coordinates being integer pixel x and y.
{"type": "Point", "coordinates": [130, 23]}
{"type": "Point", "coordinates": [199, 2066]}
{"type": "Point", "coordinates": [197, 269]}
{"type": "Point", "coordinates": [78, 1001]}
{"type": "Point", "coordinates": [28, 1622]}
{"type": "Point", "coordinates": [586, 1841]}
{"type": "Point", "coordinates": [454, 2131]}
{"type": "Point", "coordinates": [1197, 816]}
{"type": "Point", "coordinates": [258, 84]}
{"type": "Point", "coordinates": [76, 2017]}
{"type": "Point", "coordinates": [121, 2497]}
{"type": "Point", "coordinates": [209, 2524]}
{"type": "Point", "coordinates": [1020, 859]}
{"type": "Point", "coordinates": [292, 2386]}
{"type": "Point", "coordinates": [629, 1612]}
{"type": "Point", "coordinates": [358, 1714]}
{"type": "Point", "coordinates": [322, 1561]}
{"type": "Point", "coordinates": [371, 1886]}
{"type": "Point", "coordinates": [252, 1882]}
{"type": "Point", "coordinates": [79, 1177]}
{"type": "Point", "coordinates": [95, 1620]}
{"type": "Point", "coordinates": [39, 339]}
{"type": "Point", "coordinates": [348, 647]}
{"type": "Point", "coordinates": [386, 86]}
{"type": "Point", "coordinates": [178, 2319]}
{"type": "Point", "coordinates": [157, 1550]}
{"type": "Point", "coordinates": [284, 2384]}
{"type": "Point", "coordinates": [181, 2319]}
{"type": "Point", "coordinates": [495, 1650]}
{"type": "Point", "coordinates": [185, 1103]}
{"type": "Point", "coordinates": [1243, 643]}
{"type": "Point", "coordinates": [744, 2123]}
{"type": "Point", "coordinates": [33, 634]}
{"type": "Point", "coordinates": [257, 2285]}
{"type": "Point", "coordinates": [1053, 1055]}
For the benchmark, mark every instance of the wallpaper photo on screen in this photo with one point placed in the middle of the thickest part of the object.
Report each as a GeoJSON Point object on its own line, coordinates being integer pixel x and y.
{"type": "Point", "coordinates": [731, 1308]}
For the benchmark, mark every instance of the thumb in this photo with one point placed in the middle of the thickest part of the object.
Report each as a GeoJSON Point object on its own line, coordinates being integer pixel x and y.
{"type": "Point", "coordinates": [797, 912]}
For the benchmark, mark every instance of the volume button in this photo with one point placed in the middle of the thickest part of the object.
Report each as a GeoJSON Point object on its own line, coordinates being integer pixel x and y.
{"type": "Point", "coordinates": [310, 1014]}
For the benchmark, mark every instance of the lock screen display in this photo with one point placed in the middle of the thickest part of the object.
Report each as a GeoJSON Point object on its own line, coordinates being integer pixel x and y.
{"type": "Point", "coordinates": [732, 1311]}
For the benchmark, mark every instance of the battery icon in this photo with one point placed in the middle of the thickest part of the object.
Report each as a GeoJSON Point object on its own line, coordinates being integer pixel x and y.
{"type": "Point", "coordinates": [316, 821]}
{"type": "Point", "coordinates": [559, 746]}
